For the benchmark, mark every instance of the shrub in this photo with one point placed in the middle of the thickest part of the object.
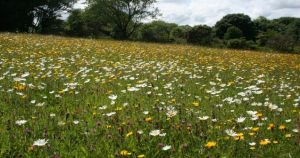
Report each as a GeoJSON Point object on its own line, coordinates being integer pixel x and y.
{"type": "Point", "coordinates": [200, 35]}
{"type": "Point", "coordinates": [238, 43]}
{"type": "Point", "coordinates": [233, 33]}
{"type": "Point", "coordinates": [251, 45]}
{"type": "Point", "coordinates": [157, 31]}
{"type": "Point", "coordinates": [281, 42]}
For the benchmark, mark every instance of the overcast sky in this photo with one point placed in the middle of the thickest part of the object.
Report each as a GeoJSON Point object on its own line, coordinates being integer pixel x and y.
{"type": "Point", "coordinates": [195, 12]}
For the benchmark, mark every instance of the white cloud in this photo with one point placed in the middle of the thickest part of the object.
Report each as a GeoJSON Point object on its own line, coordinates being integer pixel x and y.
{"type": "Point", "coordinates": [195, 12]}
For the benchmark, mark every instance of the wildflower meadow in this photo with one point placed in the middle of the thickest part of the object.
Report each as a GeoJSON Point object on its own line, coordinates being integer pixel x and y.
{"type": "Point", "coordinates": [70, 97]}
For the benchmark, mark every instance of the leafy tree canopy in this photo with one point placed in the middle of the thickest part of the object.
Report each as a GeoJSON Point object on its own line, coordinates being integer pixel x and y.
{"type": "Point", "coordinates": [241, 21]}
{"type": "Point", "coordinates": [124, 15]}
{"type": "Point", "coordinates": [37, 15]}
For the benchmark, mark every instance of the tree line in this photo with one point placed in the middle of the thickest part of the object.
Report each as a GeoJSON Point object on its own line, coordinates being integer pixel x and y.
{"type": "Point", "coordinates": [122, 19]}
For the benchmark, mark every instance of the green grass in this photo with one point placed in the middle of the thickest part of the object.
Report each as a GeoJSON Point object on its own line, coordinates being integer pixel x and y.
{"type": "Point", "coordinates": [75, 79]}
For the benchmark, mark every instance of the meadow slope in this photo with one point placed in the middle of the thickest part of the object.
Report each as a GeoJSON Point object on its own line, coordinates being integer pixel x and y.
{"type": "Point", "coordinates": [68, 97]}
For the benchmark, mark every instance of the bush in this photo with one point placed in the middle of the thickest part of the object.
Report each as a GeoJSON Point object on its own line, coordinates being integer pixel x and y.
{"type": "Point", "coordinates": [238, 43]}
{"type": "Point", "coordinates": [157, 31]}
{"type": "Point", "coordinates": [251, 45]}
{"type": "Point", "coordinates": [218, 43]}
{"type": "Point", "coordinates": [179, 34]}
{"type": "Point", "coordinates": [281, 42]}
{"type": "Point", "coordinates": [200, 35]}
{"type": "Point", "coordinates": [233, 33]}
{"type": "Point", "coordinates": [241, 21]}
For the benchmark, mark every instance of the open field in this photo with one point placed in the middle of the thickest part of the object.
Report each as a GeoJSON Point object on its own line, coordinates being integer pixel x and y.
{"type": "Point", "coordinates": [100, 98]}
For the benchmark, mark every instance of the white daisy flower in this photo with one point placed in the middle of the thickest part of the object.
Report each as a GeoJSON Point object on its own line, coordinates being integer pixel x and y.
{"type": "Point", "coordinates": [167, 147]}
{"type": "Point", "coordinates": [155, 132]}
{"type": "Point", "coordinates": [252, 143]}
{"type": "Point", "coordinates": [40, 142]}
{"type": "Point", "coordinates": [240, 119]}
{"type": "Point", "coordinates": [230, 132]}
{"type": "Point", "coordinates": [203, 118]}
{"type": "Point", "coordinates": [113, 97]}
{"type": "Point", "coordinates": [52, 115]}
{"type": "Point", "coordinates": [110, 114]}
{"type": "Point", "coordinates": [20, 122]}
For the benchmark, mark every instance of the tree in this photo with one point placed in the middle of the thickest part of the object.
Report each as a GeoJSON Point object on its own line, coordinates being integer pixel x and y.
{"type": "Point", "coordinates": [233, 33]}
{"type": "Point", "coordinates": [16, 15]}
{"type": "Point", "coordinates": [281, 42]}
{"type": "Point", "coordinates": [95, 24]}
{"type": "Point", "coordinates": [241, 21]}
{"type": "Point", "coordinates": [262, 24]}
{"type": "Point", "coordinates": [293, 29]}
{"type": "Point", "coordinates": [46, 13]}
{"type": "Point", "coordinates": [201, 34]}
{"type": "Point", "coordinates": [84, 23]}
{"type": "Point", "coordinates": [124, 15]}
{"type": "Point", "coordinates": [179, 33]}
{"type": "Point", "coordinates": [37, 15]}
{"type": "Point", "coordinates": [75, 24]}
{"type": "Point", "coordinates": [157, 31]}
{"type": "Point", "coordinates": [237, 43]}
{"type": "Point", "coordinates": [282, 28]}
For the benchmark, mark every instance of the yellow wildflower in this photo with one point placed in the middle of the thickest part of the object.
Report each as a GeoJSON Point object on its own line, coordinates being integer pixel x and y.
{"type": "Point", "coordinates": [20, 87]}
{"type": "Point", "coordinates": [282, 127]}
{"type": "Point", "coordinates": [264, 142]}
{"type": "Point", "coordinates": [119, 109]}
{"type": "Point", "coordinates": [125, 153]}
{"type": "Point", "coordinates": [251, 134]}
{"type": "Point", "coordinates": [239, 136]}
{"type": "Point", "coordinates": [211, 144]}
{"type": "Point", "coordinates": [271, 126]}
{"type": "Point", "coordinates": [196, 104]}
{"type": "Point", "coordinates": [288, 135]}
{"type": "Point", "coordinates": [149, 119]}
{"type": "Point", "coordinates": [129, 134]}
{"type": "Point", "coordinates": [259, 114]}
{"type": "Point", "coordinates": [255, 129]}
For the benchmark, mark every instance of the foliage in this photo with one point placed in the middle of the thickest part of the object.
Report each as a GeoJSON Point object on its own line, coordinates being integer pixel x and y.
{"type": "Point", "coordinates": [157, 31]}
{"type": "Point", "coordinates": [179, 34]}
{"type": "Point", "coordinates": [238, 43]}
{"type": "Point", "coordinates": [281, 42]}
{"type": "Point", "coordinates": [241, 21]}
{"type": "Point", "coordinates": [233, 33]}
{"type": "Point", "coordinates": [124, 15]}
{"type": "Point", "coordinates": [201, 34]}
{"type": "Point", "coordinates": [75, 25]}
{"type": "Point", "coordinates": [123, 19]}
{"type": "Point", "coordinates": [31, 15]}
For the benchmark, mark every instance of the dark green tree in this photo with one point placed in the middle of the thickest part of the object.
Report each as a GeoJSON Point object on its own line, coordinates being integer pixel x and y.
{"type": "Point", "coordinates": [75, 25]}
{"type": "Point", "coordinates": [157, 31]}
{"type": "Point", "coordinates": [241, 21]}
{"type": "Point", "coordinates": [201, 34]}
{"type": "Point", "coordinates": [124, 15]}
{"type": "Point", "coordinates": [34, 15]}
{"type": "Point", "coordinates": [233, 33]}
{"type": "Point", "coordinates": [179, 33]}
{"type": "Point", "coordinates": [46, 14]}
{"type": "Point", "coordinates": [281, 42]}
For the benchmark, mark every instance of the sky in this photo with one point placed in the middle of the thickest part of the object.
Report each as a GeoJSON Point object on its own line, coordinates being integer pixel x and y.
{"type": "Point", "coordinates": [195, 12]}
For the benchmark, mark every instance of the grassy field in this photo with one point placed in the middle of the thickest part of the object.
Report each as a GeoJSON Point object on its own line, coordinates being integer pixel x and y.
{"type": "Point", "coordinates": [65, 97]}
